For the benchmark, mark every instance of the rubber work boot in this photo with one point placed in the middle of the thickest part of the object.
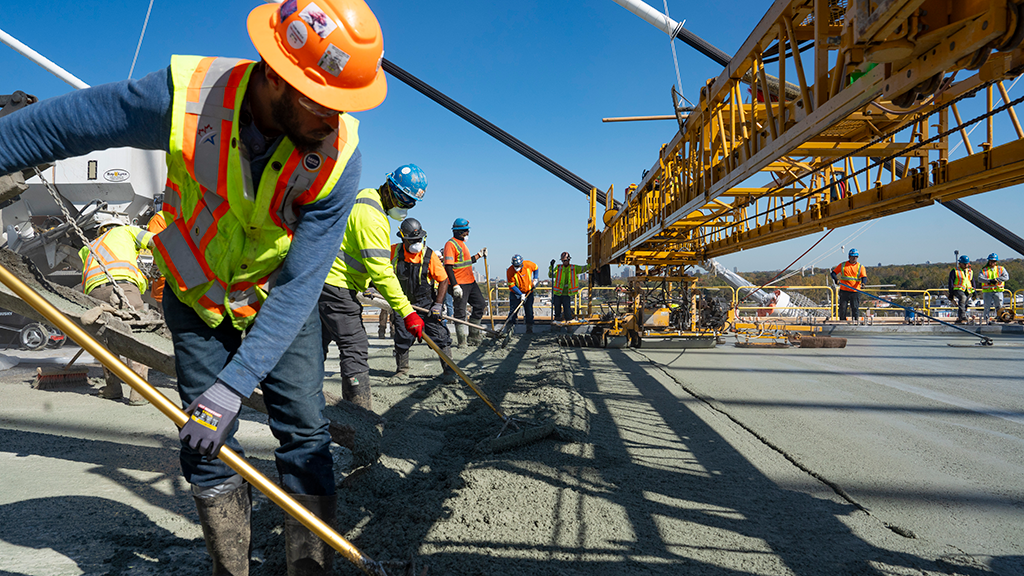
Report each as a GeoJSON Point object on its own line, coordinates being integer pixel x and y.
{"type": "Point", "coordinates": [402, 363]}
{"type": "Point", "coordinates": [529, 328]}
{"type": "Point", "coordinates": [462, 334]}
{"type": "Point", "coordinates": [112, 389]}
{"type": "Point", "coordinates": [476, 337]}
{"type": "Point", "coordinates": [224, 513]}
{"type": "Point", "coordinates": [356, 389]}
{"type": "Point", "coordinates": [447, 374]}
{"type": "Point", "coordinates": [306, 553]}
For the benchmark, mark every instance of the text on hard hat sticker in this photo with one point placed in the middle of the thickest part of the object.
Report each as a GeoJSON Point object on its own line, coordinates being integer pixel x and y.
{"type": "Point", "coordinates": [333, 61]}
{"type": "Point", "coordinates": [297, 34]}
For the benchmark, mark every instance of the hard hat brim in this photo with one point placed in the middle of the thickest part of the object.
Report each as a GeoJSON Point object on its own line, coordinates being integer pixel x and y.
{"type": "Point", "coordinates": [260, 24]}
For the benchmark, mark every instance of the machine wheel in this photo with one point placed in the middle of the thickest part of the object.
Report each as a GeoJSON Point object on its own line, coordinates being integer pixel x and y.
{"type": "Point", "coordinates": [56, 343]}
{"type": "Point", "coordinates": [34, 336]}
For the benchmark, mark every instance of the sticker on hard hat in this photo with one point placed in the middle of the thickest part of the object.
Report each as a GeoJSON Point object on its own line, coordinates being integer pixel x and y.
{"type": "Point", "coordinates": [297, 34]}
{"type": "Point", "coordinates": [333, 61]}
{"type": "Point", "coordinates": [115, 175]}
{"type": "Point", "coordinates": [287, 9]}
{"type": "Point", "coordinates": [312, 161]}
{"type": "Point", "coordinates": [320, 22]}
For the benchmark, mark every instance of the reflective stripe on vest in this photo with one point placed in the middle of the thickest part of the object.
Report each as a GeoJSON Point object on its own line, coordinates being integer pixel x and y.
{"type": "Point", "coordinates": [225, 242]}
{"type": "Point", "coordinates": [963, 280]}
{"type": "Point", "coordinates": [464, 260]}
{"type": "Point", "coordinates": [117, 255]}
{"type": "Point", "coordinates": [843, 274]}
{"type": "Point", "coordinates": [990, 276]}
{"type": "Point", "coordinates": [522, 278]}
{"type": "Point", "coordinates": [349, 269]}
{"type": "Point", "coordinates": [565, 278]}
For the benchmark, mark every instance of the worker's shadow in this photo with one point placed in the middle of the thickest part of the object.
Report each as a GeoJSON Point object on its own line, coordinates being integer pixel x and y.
{"type": "Point", "coordinates": [97, 535]}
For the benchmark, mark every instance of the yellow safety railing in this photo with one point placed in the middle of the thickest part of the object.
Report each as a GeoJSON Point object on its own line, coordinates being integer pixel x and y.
{"type": "Point", "coordinates": [830, 307]}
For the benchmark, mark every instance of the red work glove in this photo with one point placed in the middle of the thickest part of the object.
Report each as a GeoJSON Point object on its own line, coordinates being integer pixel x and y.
{"type": "Point", "coordinates": [414, 324]}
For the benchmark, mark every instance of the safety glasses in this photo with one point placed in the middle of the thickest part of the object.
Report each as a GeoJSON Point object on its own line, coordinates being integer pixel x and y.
{"type": "Point", "coordinates": [316, 109]}
{"type": "Point", "coordinates": [401, 199]}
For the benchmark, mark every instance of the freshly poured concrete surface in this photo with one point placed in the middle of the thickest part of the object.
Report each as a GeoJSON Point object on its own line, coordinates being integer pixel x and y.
{"type": "Point", "coordinates": [655, 479]}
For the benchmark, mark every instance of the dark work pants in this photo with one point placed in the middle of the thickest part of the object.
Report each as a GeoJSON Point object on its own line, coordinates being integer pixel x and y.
{"type": "Point", "coordinates": [849, 300]}
{"type": "Point", "coordinates": [342, 318]}
{"type": "Point", "coordinates": [513, 302]}
{"type": "Point", "coordinates": [431, 327]}
{"type": "Point", "coordinates": [561, 307]}
{"type": "Point", "coordinates": [470, 293]}
{"type": "Point", "coordinates": [293, 392]}
{"type": "Point", "coordinates": [961, 299]}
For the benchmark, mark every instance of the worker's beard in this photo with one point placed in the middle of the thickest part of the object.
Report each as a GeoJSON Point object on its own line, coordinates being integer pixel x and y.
{"type": "Point", "coordinates": [285, 113]}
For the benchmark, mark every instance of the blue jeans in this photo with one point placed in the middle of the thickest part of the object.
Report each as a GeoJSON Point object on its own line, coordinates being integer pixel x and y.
{"type": "Point", "coordinates": [513, 303]}
{"type": "Point", "coordinates": [449, 305]}
{"type": "Point", "coordinates": [293, 392]}
{"type": "Point", "coordinates": [561, 307]}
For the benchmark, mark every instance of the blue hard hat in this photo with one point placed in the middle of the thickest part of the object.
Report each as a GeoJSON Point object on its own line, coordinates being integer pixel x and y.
{"type": "Point", "coordinates": [965, 260]}
{"type": "Point", "coordinates": [853, 252]}
{"type": "Point", "coordinates": [993, 257]}
{"type": "Point", "coordinates": [517, 260]}
{"type": "Point", "coordinates": [460, 224]}
{"type": "Point", "coordinates": [408, 181]}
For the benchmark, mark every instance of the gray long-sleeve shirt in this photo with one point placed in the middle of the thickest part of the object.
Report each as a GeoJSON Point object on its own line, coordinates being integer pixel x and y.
{"type": "Point", "coordinates": [137, 113]}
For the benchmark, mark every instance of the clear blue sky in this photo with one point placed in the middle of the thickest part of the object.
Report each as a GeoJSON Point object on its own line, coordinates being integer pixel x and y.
{"type": "Point", "coordinates": [546, 73]}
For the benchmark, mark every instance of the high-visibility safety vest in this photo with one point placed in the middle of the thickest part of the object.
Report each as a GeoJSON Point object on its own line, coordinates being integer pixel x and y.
{"type": "Point", "coordinates": [457, 255]}
{"type": "Point", "coordinates": [225, 242]}
{"type": "Point", "coordinates": [118, 249]}
{"type": "Point", "coordinates": [850, 274]}
{"type": "Point", "coordinates": [990, 277]}
{"type": "Point", "coordinates": [157, 225]}
{"type": "Point", "coordinates": [963, 280]}
{"type": "Point", "coordinates": [522, 278]}
{"type": "Point", "coordinates": [565, 278]}
{"type": "Point", "coordinates": [365, 253]}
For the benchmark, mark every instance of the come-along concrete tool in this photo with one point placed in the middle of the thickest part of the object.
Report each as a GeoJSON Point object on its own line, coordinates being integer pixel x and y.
{"type": "Point", "coordinates": [172, 411]}
{"type": "Point", "coordinates": [520, 434]}
{"type": "Point", "coordinates": [486, 330]}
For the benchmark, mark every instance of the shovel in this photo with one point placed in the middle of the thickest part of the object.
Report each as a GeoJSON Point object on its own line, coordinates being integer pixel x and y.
{"type": "Point", "coordinates": [172, 411]}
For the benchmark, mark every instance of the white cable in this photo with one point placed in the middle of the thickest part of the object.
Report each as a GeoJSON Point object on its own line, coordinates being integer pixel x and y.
{"type": "Point", "coordinates": [139, 47]}
{"type": "Point", "coordinates": [979, 123]}
{"type": "Point", "coordinates": [672, 44]}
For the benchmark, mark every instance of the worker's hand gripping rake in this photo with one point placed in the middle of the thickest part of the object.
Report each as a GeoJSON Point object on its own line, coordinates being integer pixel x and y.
{"type": "Point", "coordinates": [172, 411]}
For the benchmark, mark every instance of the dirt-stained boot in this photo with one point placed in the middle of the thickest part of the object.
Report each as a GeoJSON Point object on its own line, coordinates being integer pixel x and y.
{"type": "Point", "coordinates": [356, 389]}
{"type": "Point", "coordinates": [462, 334]}
{"type": "Point", "coordinates": [447, 374]}
{"type": "Point", "coordinates": [306, 553]}
{"type": "Point", "coordinates": [402, 363]}
{"type": "Point", "coordinates": [224, 513]}
{"type": "Point", "coordinates": [112, 388]}
{"type": "Point", "coordinates": [135, 398]}
{"type": "Point", "coordinates": [476, 337]}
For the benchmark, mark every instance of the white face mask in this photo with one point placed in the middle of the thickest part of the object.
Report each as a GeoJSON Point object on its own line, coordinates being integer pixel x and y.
{"type": "Point", "coordinates": [415, 248]}
{"type": "Point", "coordinates": [397, 213]}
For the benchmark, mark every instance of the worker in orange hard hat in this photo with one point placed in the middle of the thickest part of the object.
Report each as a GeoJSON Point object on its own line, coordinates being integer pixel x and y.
{"type": "Point", "coordinates": [263, 169]}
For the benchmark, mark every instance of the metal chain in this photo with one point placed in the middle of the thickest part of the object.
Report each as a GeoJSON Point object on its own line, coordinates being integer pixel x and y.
{"type": "Point", "coordinates": [81, 235]}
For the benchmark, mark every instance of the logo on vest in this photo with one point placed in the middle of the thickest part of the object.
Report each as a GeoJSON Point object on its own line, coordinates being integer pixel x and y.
{"type": "Point", "coordinates": [206, 134]}
{"type": "Point", "coordinates": [115, 175]}
{"type": "Point", "coordinates": [312, 161]}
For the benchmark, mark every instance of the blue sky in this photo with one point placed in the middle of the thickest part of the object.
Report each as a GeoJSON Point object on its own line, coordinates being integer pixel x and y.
{"type": "Point", "coordinates": [544, 72]}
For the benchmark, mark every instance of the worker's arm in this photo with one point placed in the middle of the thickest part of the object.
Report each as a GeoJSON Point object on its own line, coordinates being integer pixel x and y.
{"type": "Point", "coordinates": [437, 271]}
{"type": "Point", "coordinates": [375, 254]}
{"type": "Point", "coordinates": [952, 282]}
{"type": "Point", "coordinates": [1003, 275]}
{"type": "Point", "coordinates": [314, 246]}
{"type": "Point", "coordinates": [134, 113]}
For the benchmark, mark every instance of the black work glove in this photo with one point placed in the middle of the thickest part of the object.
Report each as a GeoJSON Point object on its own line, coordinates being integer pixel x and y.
{"type": "Point", "coordinates": [552, 262]}
{"type": "Point", "coordinates": [210, 419]}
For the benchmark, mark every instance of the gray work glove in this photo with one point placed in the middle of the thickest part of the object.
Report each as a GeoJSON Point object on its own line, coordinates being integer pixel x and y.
{"type": "Point", "coordinates": [210, 419]}
{"type": "Point", "coordinates": [436, 310]}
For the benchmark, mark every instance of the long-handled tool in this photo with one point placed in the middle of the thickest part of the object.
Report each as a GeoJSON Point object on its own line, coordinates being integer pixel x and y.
{"type": "Point", "coordinates": [519, 435]}
{"type": "Point", "coordinates": [490, 302]}
{"type": "Point", "coordinates": [171, 410]}
{"type": "Point", "coordinates": [489, 332]}
{"type": "Point", "coordinates": [985, 340]}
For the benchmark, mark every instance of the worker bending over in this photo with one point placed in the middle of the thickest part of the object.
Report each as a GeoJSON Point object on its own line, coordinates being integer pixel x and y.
{"type": "Point", "coordinates": [961, 286]}
{"type": "Point", "coordinates": [365, 257]}
{"type": "Point", "coordinates": [565, 285]}
{"type": "Point", "coordinates": [458, 263]}
{"type": "Point", "coordinates": [425, 282]}
{"type": "Point", "coordinates": [849, 276]}
{"type": "Point", "coordinates": [993, 278]}
{"type": "Point", "coordinates": [117, 249]}
{"type": "Point", "coordinates": [263, 169]}
{"type": "Point", "coordinates": [521, 276]}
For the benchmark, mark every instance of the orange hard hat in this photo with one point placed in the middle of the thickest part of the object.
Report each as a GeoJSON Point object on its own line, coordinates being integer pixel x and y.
{"type": "Point", "coordinates": [328, 50]}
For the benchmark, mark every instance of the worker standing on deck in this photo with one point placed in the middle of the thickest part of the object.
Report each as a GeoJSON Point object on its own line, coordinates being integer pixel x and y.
{"type": "Point", "coordinates": [993, 278]}
{"type": "Point", "coordinates": [565, 286]}
{"type": "Point", "coordinates": [961, 286]}
{"type": "Point", "coordinates": [425, 282]}
{"type": "Point", "coordinates": [263, 169]}
{"type": "Point", "coordinates": [458, 263]}
{"type": "Point", "coordinates": [850, 276]}
{"type": "Point", "coordinates": [521, 276]}
{"type": "Point", "coordinates": [117, 249]}
{"type": "Point", "coordinates": [365, 256]}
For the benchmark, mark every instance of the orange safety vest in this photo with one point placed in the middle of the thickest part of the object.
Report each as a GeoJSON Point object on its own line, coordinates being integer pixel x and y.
{"type": "Point", "coordinates": [225, 242]}
{"type": "Point", "coordinates": [850, 274]}
{"type": "Point", "coordinates": [523, 278]}
{"type": "Point", "coordinates": [457, 255]}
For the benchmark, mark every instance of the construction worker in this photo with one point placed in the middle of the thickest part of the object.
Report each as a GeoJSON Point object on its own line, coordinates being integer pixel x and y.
{"type": "Point", "coordinates": [521, 276]}
{"type": "Point", "coordinates": [156, 225]}
{"type": "Point", "coordinates": [565, 285]}
{"type": "Point", "coordinates": [425, 285]}
{"type": "Point", "coordinates": [365, 257]}
{"type": "Point", "coordinates": [263, 169]}
{"type": "Point", "coordinates": [961, 286]}
{"type": "Point", "coordinates": [458, 263]}
{"type": "Point", "coordinates": [849, 276]}
{"type": "Point", "coordinates": [993, 278]}
{"type": "Point", "coordinates": [117, 248]}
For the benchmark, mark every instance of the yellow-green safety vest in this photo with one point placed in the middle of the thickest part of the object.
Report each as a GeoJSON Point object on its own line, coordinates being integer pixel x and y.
{"type": "Point", "coordinates": [118, 249]}
{"type": "Point", "coordinates": [963, 280]}
{"type": "Point", "coordinates": [990, 277]}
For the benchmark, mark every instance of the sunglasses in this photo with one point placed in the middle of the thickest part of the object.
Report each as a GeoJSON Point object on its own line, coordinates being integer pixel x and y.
{"type": "Point", "coordinates": [316, 109]}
